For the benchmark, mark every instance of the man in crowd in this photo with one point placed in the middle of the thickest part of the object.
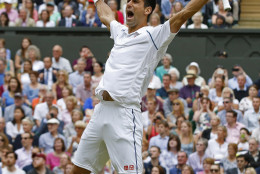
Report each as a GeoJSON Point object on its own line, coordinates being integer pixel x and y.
{"type": "Point", "coordinates": [182, 158]}
{"type": "Point", "coordinates": [215, 169]}
{"type": "Point", "coordinates": [68, 21]}
{"type": "Point", "coordinates": [39, 165]}
{"type": "Point", "coordinates": [77, 77]}
{"type": "Point", "coordinates": [59, 62]}
{"type": "Point", "coordinates": [12, 13]}
{"type": "Point", "coordinates": [251, 116]}
{"type": "Point", "coordinates": [242, 162]}
{"type": "Point", "coordinates": [11, 168]}
{"type": "Point", "coordinates": [253, 153]}
{"type": "Point", "coordinates": [84, 90]}
{"type": "Point", "coordinates": [161, 140]}
{"type": "Point", "coordinates": [155, 154]}
{"type": "Point", "coordinates": [87, 54]}
{"type": "Point", "coordinates": [241, 90]}
{"type": "Point", "coordinates": [151, 95]}
{"type": "Point", "coordinates": [161, 93]}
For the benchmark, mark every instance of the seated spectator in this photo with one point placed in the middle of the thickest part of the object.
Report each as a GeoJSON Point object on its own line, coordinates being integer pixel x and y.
{"type": "Point", "coordinates": [242, 90]}
{"type": "Point", "coordinates": [250, 170]}
{"type": "Point", "coordinates": [4, 20]}
{"type": "Point", "coordinates": [211, 133]}
{"type": "Point", "coordinates": [186, 137]}
{"type": "Point", "coordinates": [151, 94]}
{"type": "Point", "coordinates": [7, 77]}
{"type": "Point", "coordinates": [84, 90]}
{"type": "Point", "coordinates": [178, 111]}
{"type": "Point", "coordinates": [158, 169]}
{"type": "Point", "coordinates": [46, 140]}
{"type": "Point", "coordinates": [66, 92]}
{"type": "Point", "coordinates": [47, 75]}
{"type": "Point", "coordinates": [220, 22]}
{"type": "Point", "coordinates": [215, 168]}
{"type": "Point", "coordinates": [34, 55]}
{"type": "Point", "coordinates": [207, 162]}
{"type": "Point", "coordinates": [247, 102]}
{"type": "Point", "coordinates": [39, 164]}
{"type": "Point", "coordinates": [242, 162]}
{"type": "Point", "coordinates": [62, 81]}
{"type": "Point", "coordinates": [148, 115]}
{"type": "Point", "coordinates": [14, 86]}
{"type": "Point", "coordinates": [9, 65]}
{"type": "Point", "coordinates": [228, 18]}
{"type": "Point", "coordinates": [68, 21]}
{"type": "Point", "coordinates": [153, 128]}
{"type": "Point", "coordinates": [64, 160]}
{"type": "Point", "coordinates": [25, 153]}
{"type": "Point", "coordinates": [175, 75]}
{"type": "Point", "coordinates": [53, 158]}
{"type": "Point", "coordinates": [73, 5]}
{"type": "Point", "coordinates": [236, 70]}
{"type": "Point", "coordinates": [29, 5]}
{"type": "Point", "coordinates": [197, 20]}
{"type": "Point", "coordinates": [12, 13]}
{"type": "Point", "coordinates": [194, 66]}
{"type": "Point", "coordinates": [219, 72]}
{"type": "Point", "coordinates": [31, 91]}
{"type": "Point", "coordinates": [165, 68]}
{"type": "Point", "coordinates": [45, 5]}
{"type": "Point", "coordinates": [24, 77]}
{"type": "Point", "coordinates": [18, 102]}
{"type": "Point", "coordinates": [251, 116]}
{"type": "Point", "coordinates": [161, 93]}
{"type": "Point", "coordinates": [178, 123]}
{"type": "Point", "coordinates": [229, 162]}
{"type": "Point", "coordinates": [118, 14]}
{"type": "Point", "coordinates": [196, 159]}
{"type": "Point", "coordinates": [24, 20]}
{"type": "Point", "coordinates": [227, 107]}
{"type": "Point", "coordinates": [188, 92]}
{"type": "Point", "coordinates": [90, 18]}
{"type": "Point", "coordinates": [227, 93]}
{"type": "Point", "coordinates": [215, 93]}
{"type": "Point", "coordinates": [87, 54]}
{"type": "Point", "coordinates": [69, 129]}
{"type": "Point", "coordinates": [161, 140]}
{"type": "Point", "coordinates": [73, 141]}
{"type": "Point", "coordinates": [53, 11]}
{"type": "Point", "coordinates": [155, 154]}
{"type": "Point", "coordinates": [154, 20]}
{"type": "Point", "coordinates": [45, 20]}
{"type": "Point", "coordinates": [69, 168]}
{"type": "Point", "coordinates": [71, 104]}
{"type": "Point", "coordinates": [243, 139]}
{"type": "Point", "coordinates": [59, 62]}
{"type": "Point", "coordinates": [15, 127]}
{"type": "Point", "coordinates": [177, 7]}
{"type": "Point", "coordinates": [182, 159]}
{"type": "Point", "coordinates": [253, 153]}
{"type": "Point", "coordinates": [11, 158]}
{"type": "Point", "coordinates": [4, 142]}
{"type": "Point", "coordinates": [2, 45]}
{"type": "Point", "coordinates": [22, 54]}
{"type": "Point", "coordinates": [77, 77]}
{"type": "Point", "coordinates": [98, 73]}
{"type": "Point", "coordinates": [168, 158]}
{"type": "Point", "coordinates": [217, 148]}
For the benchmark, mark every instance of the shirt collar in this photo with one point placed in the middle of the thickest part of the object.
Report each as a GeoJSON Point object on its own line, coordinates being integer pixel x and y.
{"type": "Point", "coordinates": [136, 33]}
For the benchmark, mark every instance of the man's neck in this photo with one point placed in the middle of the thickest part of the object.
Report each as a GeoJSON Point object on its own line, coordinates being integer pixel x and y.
{"type": "Point", "coordinates": [57, 59]}
{"type": "Point", "coordinates": [163, 135]}
{"type": "Point", "coordinates": [54, 134]}
{"type": "Point", "coordinates": [135, 28]}
{"type": "Point", "coordinates": [155, 162]}
{"type": "Point", "coordinates": [256, 110]}
{"type": "Point", "coordinates": [28, 148]}
{"type": "Point", "coordinates": [41, 170]}
{"type": "Point", "coordinates": [232, 125]}
{"type": "Point", "coordinates": [11, 168]}
{"type": "Point", "coordinates": [254, 153]}
{"type": "Point", "coordinates": [241, 170]}
{"type": "Point", "coordinates": [166, 66]}
{"type": "Point", "coordinates": [241, 87]}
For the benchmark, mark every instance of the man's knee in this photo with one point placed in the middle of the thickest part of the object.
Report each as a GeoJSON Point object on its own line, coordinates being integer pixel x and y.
{"type": "Point", "coordinates": [77, 170]}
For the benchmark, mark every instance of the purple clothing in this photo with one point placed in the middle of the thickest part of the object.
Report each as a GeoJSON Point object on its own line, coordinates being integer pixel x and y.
{"type": "Point", "coordinates": [12, 15]}
{"type": "Point", "coordinates": [89, 66]}
{"type": "Point", "coordinates": [189, 92]}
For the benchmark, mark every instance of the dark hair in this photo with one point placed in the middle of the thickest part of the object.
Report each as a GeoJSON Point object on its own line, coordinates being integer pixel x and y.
{"type": "Point", "coordinates": [164, 123]}
{"type": "Point", "coordinates": [35, 73]}
{"type": "Point", "coordinates": [167, 75]}
{"type": "Point", "coordinates": [177, 139]}
{"type": "Point", "coordinates": [47, 13]}
{"type": "Point", "coordinates": [158, 148]}
{"type": "Point", "coordinates": [63, 144]}
{"type": "Point", "coordinates": [24, 50]}
{"type": "Point", "coordinates": [100, 64]}
{"type": "Point", "coordinates": [54, 108]}
{"type": "Point", "coordinates": [84, 46]}
{"type": "Point", "coordinates": [150, 3]}
{"type": "Point", "coordinates": [15, 155]}
{"type": "Point", "coordinates": [233, 112]}
{"type": "Point", "coordinates": [161, 169]}
{"type": "Point", "coordinates": [254, 86]}
{"type": "Point", "coordinates": [18, 89]}
{"type": "Point", "coordinates": [177, 119]}
{"type": "Point", "coordinates": [47, 58]}
{"type": "Point", "coordinates": [7, 18]}
{"type": "Point", "coordinates": [245, 156]}
{"type": "Point", "coordinates": [245, 129]}
{"type": "Point", "coordinates": [21, 109]}
{"type": "Point", "coordinates": [30, 134]}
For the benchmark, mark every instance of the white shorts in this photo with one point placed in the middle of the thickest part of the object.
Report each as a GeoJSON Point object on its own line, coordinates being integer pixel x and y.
{"type": "Point", "coordinates": [115, 132]}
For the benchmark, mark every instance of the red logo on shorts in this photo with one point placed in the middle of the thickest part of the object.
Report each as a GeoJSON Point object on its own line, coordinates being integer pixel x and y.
{"type": "Point", "coordinates": [125, 167]}
{"type": "Point", "coordinates": [131, 167]}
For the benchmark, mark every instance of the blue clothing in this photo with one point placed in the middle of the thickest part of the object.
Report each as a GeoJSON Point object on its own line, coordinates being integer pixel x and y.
{"type": "Point", "coordinates": [83, 20]}
{"type": "Point", "coordinates": [175, 170]}
{"type": "Point", "coordinates": [8, 99]}
{"type": "Point", "coordinates": [76, 79]}
{"type": "Point", "coordinates": [46, 142]}
{"type": "Point", "coordinates": [88, 104]}
{"type": "Point", "coordinates": [162, 93]}
{"type": "Point", "coordinates": [2, 76]}
{"type": "Point", "coordinates": [160, 71]}
{"type": "Point", "coordinates": [148, 168]}
{"type": "Point", "coordinates": [232, 83]}
{"type": "Point", "coordinates": [8, 54]}
{"type": "Point", "coordinates": [30, 92]}
{"type": "Point", "coordinates": [166, 8]}
{"type": "Point", "coordinates": [188, 148]}
{"type": "Point", "coordinates": [159, 142]}
{"type": "Point", "coordinates": [222, 116]}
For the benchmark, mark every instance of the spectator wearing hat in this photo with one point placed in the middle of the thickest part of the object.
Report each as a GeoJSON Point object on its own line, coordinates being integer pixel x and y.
{"type": "Point", "coordinates": [161, 93]}
{"type": "Point", "coordinates": [18, 102]}
{"type": "Point", "coordinates": [199, 81]}
{"type": "Point", "coordinates": [11, 168]}
{"type": "Point", "coordinates": [12, 13]}
{"type": "Point", "coordinates": [53, 12]}
{"type": "Point", "coordinates": [166, 67]}
{"type": "Point", "coordinates": [46, 140]}
{"type": "Point", "coordinates": [24, 20]}
{"type": "Point", "coordinates": [188, 92]}
{"type": "Point", "coordinates": [39, 165]}
{"type": "Point", "coordinates": [233, 82]}
{"type": "Point", "coordinates": [45, 4]}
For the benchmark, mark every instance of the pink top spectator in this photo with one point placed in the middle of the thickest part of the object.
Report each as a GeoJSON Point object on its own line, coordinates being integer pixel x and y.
{"type": "Point", "coordinates": [53, 160]}
{"type": "Point", "coordinates": [13, 14]}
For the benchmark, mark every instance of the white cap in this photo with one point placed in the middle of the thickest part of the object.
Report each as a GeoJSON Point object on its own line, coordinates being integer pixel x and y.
{"type": "Point", "coordinates": [193, 64]}
{"type": "Point", "coordinates": [8, 1]}
{"type": "Point", "coordinates": [53, 121]}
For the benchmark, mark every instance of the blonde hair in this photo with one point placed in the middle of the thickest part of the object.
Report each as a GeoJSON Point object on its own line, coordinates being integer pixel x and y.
{"type": "Point", "coordinates": [181, 106]}
{"type": "Point", "coordinates": [72, 99]}
{"type": "Point", "coordinates": [190, 131]}
{"type": "Point", "coordinates": [80, 124]}
{"type": "Point", "coordinates": [251, 170]}
{"type": "Point", "coordinates": [229, 90]}
{"type": "Point", "coordinates": [27, 120]}
{"type": "Point", "coordinates": [36, 50]}
{"type": "Point", "coordinates": [66, 77]}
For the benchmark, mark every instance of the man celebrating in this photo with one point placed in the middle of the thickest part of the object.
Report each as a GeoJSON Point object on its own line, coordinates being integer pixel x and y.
{"type": "Point", "coordinates": [115, 130]}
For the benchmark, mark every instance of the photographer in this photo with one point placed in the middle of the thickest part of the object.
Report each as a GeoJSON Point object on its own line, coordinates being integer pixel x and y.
{"type": "Point", "coordinates": [153, 128]}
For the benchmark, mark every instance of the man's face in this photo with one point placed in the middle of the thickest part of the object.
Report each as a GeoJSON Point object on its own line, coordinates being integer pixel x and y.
{"type": "Point", "coordinates": [38, 162]}
{"type": "Point", "coordinates": [26, 140]}
{"type": "Point", "coordinates": [182, 158]}
{"type": "Point", "coordinates": [23, 14]}
{"type": "Point", "coordinates": [47, 63]}
{"type": "Point", "coordinates": [227, 104]}
{"type": "Point", "coordinates": [68, 11]}
{"type": "Point", "coordinates": [253, 146]}
{"type": "Point", "coordinates": [166, 81]}
{"type": "Point", "coordinates": [10, 160]}
{"type": "Point", "coordinates": [87, 79]}
{"type": "Point", "coordinates": [52, 127]}
{"type": "Point", "coordinates": [230, 118]}
{"type": "Point", "coordinates": [81, 66]}
{"type": "Point", "coordinates": [85, 52]}
{"type": "Point", "coordinates": [241, 80]}
{"type": "Point", "coordinates": [241, 163]}
{"type": "Point", "coordinates": [154, 152]}
{"type": "Point", "coordinates": [191, 81]}
{"type": "Point", "coordinates": [8, 6]}
{"type": "Point", "coordinates": [18, 101]}
{"type": "Point", "coordinates": [56, 52]}
{"type": "Point", "coordinates": [256, 103]}
{"type": "Point", "coordinates": [112, 4]}
{"type": "Point", "coordinates": [150, 106]}
{"type": "Point", "coordinates": [214, 169]}
{"type": "Point", "coordinates": [49, 99]}
{"type": "Point", "coordinates": [173, 96]}
{"type": "Point", "coordinates": [236, 68]}
{"type": "Point", "coordinates": [151, 92]}
{"type": "Point", "coordinates": [200, 146]}
{"type": "Point", "coordinates": [162, 129]}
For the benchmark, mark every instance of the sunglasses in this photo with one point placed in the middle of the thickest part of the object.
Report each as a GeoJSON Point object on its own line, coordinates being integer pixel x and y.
{"type": "Point", "coordinates": [25, 138]}
{"type": "Point", "coordinates": [176, 103]}
{"type": "Point", "coordinates": [214, 170]}
{"type": "Point", "coordinates": [226, 102]}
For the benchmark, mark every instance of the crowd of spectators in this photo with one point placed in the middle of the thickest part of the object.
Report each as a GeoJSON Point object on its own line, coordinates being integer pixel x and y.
{"type": "Point", "coordinates": [75, 13]}
{"type": "Point", "coordinates": [190, 125]}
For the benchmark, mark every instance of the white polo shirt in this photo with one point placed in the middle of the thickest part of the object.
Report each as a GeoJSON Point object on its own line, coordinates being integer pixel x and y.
{"type": "Point", "coordinates": [132, 61]}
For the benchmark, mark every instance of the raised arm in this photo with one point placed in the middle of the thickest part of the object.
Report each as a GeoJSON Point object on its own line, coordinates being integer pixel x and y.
{"type": "Point", "coordinates": [177, 20]}
{"type": "Point", "coordinates": [105, 13]}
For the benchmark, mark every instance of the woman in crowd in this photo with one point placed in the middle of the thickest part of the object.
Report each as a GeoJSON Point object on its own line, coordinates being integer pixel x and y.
{"type": "Point", "coordinates": [24, 77]}
{"type": "Point", "coordinates": [2, 45]}
{"type": "Point", "coordinates": [230, 161]}
{"type": "Point", "coordinates": [71, 104]}
{"type": "Point", "coordinates": [64, 160]}
{"type": "Point", "coordinates": [179, 121]}
{"type": "Point", "coordinates": [212, 133]}
{"type": "Point", "coordinates": [247, 102]}
{"type": "Point", "coordinates": [31, 91]}
{"type": "Point", "coordinates": [197, 20]}
{"type": "Point", "coordinates": [186, 137]}
{"type": "Point", "coordinates": [154, 20]}
{"type": "Point", "coordinates": [203, 116]}
{"type": "Point", "coordinates": [207, 162]}
{"type": "Point", "coordinates": [7, 78]}
{"type": "Point", "coordinates": [186, 169]}
{"type": "Point", "coordinates": [228, 18]}
{"type": "Point", "coordinates": [53, 158]}
{"type": "Point", "coordinates": [4, 142]}
{"type": "Point", "coordinates": [29, 5]}
{"type": "Point", "coordinates": [175, 75]}
{"type": "Point", "coordinates": [168, 158]}
{"type": "Point", "coordinates": [177, 111]}
{"type": "Point", "coordinates": [215, 93]}
{"type": "Point", "coordinates": [219, 72]}
{"type": "Point", "coordinates": [98, 73]}
{"type": "Point", "coordinates": [45, 20]}
{"type": "Point", "coordinates": [227, 93]}
{"type": "Point", "coordinates": [4, 20]}
{"type": "Point", "coordinates": [199, 81]}
{"type": "Point", "coordinates": [243, 144]}
{"type": "Point", "coordinates": [154, 126]}
{"type": "Point", "coordinates": [14, 86]}
{"type": "Point", "coordinates": [90, 112]}
{"type": "Point", "coordinates": [22, 54]}
{"type": "Point", "coordinates": [9, 65]}
{"type": "Point", "coordinates": [157, 170]}
{"type": "Point", "coordinates": [34, 55]}
{"type": "Point", "coordinates": [69, 129]}
{"type": "Point", "coordinates": [15, 127]}
{"type": "Point", "coordinates": [218, 148]}
{"type": "Point", "coordinates": [74, 141]}
{"type": "Point", "coordinates": [66, 91]}
{"type": "Point", "coordinates": [62, 81]}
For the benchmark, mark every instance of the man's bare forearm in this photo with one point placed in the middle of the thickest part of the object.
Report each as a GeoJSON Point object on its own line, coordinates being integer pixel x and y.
{"type": "Point", "coordinates": [105, 13]}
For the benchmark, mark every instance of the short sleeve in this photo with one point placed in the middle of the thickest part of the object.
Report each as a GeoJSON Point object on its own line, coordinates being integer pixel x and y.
{"type": "Point", "coordinates": [115, 27]}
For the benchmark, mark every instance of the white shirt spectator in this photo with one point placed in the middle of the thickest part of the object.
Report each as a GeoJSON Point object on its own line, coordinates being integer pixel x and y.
{"type": "Point", "coordinates": [217, 151]}
{"type": "Point", "coordinates": [41, 110]}
{"type": "Point", "coordinates": [63, 63]}
{"type": "Point", "coordinates": [24, 158]}
{"type": "Point", "coordinates": [37, 65]}
{"type": "Point", "coordinates": [43, 7]}
{"type": "Point", "coordinates": [245, 104]}
{"type": "Point", "coordinates": [17, 171]}
{"type": "Point", "coordinates": [48, 24]}
{"type": "Point", "coordinates": [12, 129]}
{"type": "Point", "coordinates": [203, 26]}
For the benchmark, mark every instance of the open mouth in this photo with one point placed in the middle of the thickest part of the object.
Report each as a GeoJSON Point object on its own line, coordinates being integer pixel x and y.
{"type": "Point", "coordinates": [130, 15]}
